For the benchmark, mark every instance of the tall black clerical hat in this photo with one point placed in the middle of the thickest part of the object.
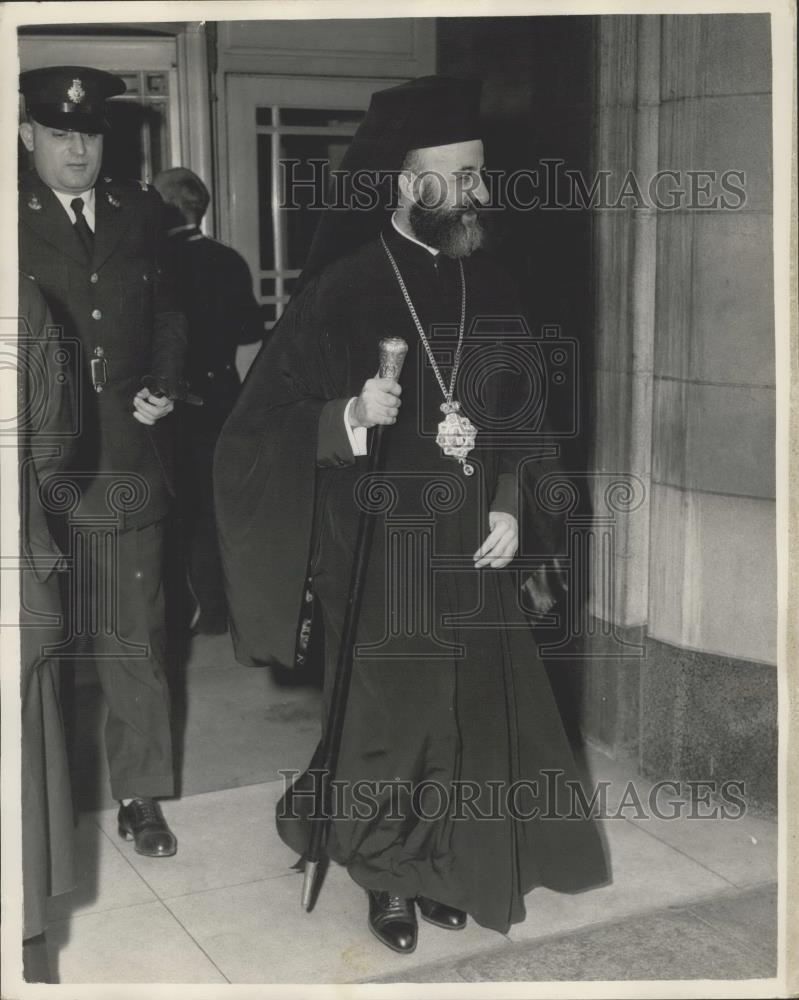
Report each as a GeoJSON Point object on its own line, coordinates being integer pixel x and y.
{"type": "Point", "coordinates": [428, 111]}
{"type": "Point", "coordinates": [69, 97]}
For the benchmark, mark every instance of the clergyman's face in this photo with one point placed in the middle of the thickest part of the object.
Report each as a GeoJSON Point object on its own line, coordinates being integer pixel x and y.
{"type": "Point", "coordinates": [66, 161]}
{"type": "Point", "coordinates": [449, 192]}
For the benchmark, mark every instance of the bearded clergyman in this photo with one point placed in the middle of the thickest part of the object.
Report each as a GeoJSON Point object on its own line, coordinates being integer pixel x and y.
{"type": "Point", "coordinates": [449, 701]}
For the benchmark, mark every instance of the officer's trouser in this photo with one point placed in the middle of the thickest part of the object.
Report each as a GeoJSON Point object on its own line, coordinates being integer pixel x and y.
{"type": "Point", "coordinates": [131, 662]}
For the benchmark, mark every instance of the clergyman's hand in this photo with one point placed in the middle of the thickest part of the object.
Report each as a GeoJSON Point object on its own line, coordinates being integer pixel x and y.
{"type": "Point", "coordinates": [378, 403]}
{"type": "Point", "coordinates": [501, 545]}
{"type": "Point", "coordinates": [148, 408]}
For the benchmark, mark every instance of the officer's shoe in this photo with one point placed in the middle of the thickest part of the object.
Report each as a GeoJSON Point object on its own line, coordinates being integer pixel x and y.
{"type": "Point", "coordinates": [392, 920]}
{"type": "Point", "coordinates": [143, 822]}
{"type": "Point", "coordinates": [440, 914]}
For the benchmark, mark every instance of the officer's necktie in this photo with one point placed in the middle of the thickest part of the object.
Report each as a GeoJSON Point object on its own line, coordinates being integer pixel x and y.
{"type": "Point", "coordinates": [85, 235]}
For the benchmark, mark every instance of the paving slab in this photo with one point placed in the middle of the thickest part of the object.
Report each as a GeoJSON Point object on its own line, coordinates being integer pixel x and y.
{"type": "Point", "coordinates": [743, 851]}
{"type": "Point", "coordinates": [646, 873]}
{"type": "Point", "coordinates": [232, 725]}
{"type": "Point", "coordinates": [106, 880]}
{"type": "Point", "coordinates": [137, 944]}
{"type": "Point", "coordinates": [742, 847]}
{"type": "Point", "coordinates": [259, 933]}
{"type": "Point", "coordinates": [239, 728]}
{"type": "Point", "coordinates": [224, 838]}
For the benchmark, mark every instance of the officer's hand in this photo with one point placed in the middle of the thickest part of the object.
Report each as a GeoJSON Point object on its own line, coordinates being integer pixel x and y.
{"type": "Point", "coordinates": [148, 408]}
{"type": "Point", "coordinates": [501, 545]}
{"type": "Point", "coordinates": [378, 403]}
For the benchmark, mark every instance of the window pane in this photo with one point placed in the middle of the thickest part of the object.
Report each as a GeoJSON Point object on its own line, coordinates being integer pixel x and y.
{"type": "Point", "coordinates": [157, 83]}
{"type": "Point", "coordinates": [159, 137]}
{"type": "Point", "coordinates": [265, 233]}
{"type": "Point", "coordinates": [305, 190]}
{"type": "Point", "coordinates": [263, 116]}
{"type": "Point", "coordinates": [138, 144]}
{"type": "Point", "coordinates": [131, 80]}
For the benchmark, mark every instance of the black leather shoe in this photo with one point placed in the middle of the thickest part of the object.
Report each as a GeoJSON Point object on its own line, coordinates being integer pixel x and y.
{"type": "Point", "coordinates": [143, 822]}
{"type": "Point", "coordinates": [392, 920]}
{"type": "Point", "coordinates": [440, 914]}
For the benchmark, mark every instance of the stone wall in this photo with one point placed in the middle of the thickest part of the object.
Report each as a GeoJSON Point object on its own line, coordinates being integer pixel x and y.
{"type": "Point", "coordinates": [685, 391]}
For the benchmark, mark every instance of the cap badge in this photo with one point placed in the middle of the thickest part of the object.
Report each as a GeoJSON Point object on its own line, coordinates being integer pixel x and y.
{"type": "Point", "coordinates": [112, 201]}
{"type": "Point", "coordinates": [34, 203]}
{"type": "Point", "coordinates": [76, 93]}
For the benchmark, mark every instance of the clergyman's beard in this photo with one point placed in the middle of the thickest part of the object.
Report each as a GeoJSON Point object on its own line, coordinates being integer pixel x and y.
{"type": "Point", "coordinates": [447, 229]}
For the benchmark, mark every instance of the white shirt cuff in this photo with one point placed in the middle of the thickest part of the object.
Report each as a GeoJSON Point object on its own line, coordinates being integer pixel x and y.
{"type": "Point", "coordinates": [357, 435]}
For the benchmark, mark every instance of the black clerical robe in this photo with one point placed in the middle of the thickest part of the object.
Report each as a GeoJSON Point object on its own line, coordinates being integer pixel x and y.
{"type": "Point", "coordinates": [46, 408]}
{"type": "Point", "coordinates": [449, 697]}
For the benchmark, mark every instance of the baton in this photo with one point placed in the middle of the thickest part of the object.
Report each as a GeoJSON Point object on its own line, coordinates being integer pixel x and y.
{"type": "Point", "coordinates": [392, 356]}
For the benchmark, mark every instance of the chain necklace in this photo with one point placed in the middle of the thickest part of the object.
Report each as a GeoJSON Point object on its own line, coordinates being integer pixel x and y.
{"type": "Point", "coordinates": [456, 433]}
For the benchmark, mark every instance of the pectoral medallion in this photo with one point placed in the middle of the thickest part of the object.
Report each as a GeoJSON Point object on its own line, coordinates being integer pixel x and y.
{"type": "Point", "coordinates": [456, 435]}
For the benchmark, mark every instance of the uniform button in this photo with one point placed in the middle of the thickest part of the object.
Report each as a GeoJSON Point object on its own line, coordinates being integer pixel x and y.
{"type": "Point", "coordinates": [94, 278]}
{"type": "Point", "coordinates": [145, 277]}
{"type": "Point", "coordinates": [210, 374]}
{"type": "Point", "coordinates": [138, 574]}
{"type": "Point", "coordinates": [96, 314]}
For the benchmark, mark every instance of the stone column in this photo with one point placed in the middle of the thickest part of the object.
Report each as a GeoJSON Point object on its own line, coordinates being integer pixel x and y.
{"type": "Point", "coordinates": [684, 392]}
{"type": "Point", "coordinates": [709, 684]}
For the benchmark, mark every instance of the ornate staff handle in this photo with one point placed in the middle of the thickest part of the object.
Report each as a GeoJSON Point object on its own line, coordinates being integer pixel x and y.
{"type": "Point", "coordinates": [392, 357]}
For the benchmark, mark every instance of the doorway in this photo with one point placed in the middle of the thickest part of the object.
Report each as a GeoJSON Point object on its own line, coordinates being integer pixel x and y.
{"type": "Point", "coordinates": [278, 132]}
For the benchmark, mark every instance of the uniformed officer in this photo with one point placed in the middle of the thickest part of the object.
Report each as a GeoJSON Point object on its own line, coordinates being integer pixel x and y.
{"type": "Point", "coordinates": [95, 249]}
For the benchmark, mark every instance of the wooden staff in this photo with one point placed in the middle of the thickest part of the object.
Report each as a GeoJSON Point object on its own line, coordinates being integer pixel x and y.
{"type": "Point", "coordinates": [392, 356]}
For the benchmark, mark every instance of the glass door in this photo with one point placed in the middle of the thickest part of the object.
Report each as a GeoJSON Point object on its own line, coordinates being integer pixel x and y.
{"type": "Point", "coordinates": [284, 135]}
{"type": "Point", "coordinates": [296, 149]}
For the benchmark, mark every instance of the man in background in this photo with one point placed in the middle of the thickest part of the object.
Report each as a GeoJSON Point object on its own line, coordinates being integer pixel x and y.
{"type": "Point", "coordinates": [95, 249]}
{"type": "Point", "coordinates": [214, 288]}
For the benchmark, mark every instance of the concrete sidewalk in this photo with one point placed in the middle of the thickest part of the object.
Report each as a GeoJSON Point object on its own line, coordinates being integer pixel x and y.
{"type": "Point", "coordinates": [689, 898]}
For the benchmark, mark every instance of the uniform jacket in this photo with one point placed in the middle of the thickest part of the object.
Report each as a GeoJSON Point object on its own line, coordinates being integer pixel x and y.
{"type": "Point", "coordinates": [120, 305]}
